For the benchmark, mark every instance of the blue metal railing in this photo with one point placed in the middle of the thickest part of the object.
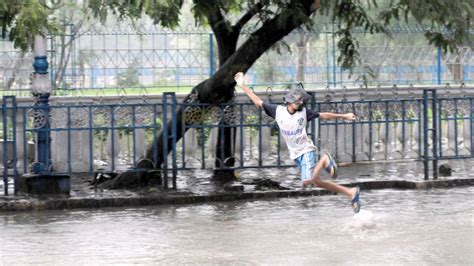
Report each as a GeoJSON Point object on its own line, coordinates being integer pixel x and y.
{"type": "Point", "coordinates": [88, 137]}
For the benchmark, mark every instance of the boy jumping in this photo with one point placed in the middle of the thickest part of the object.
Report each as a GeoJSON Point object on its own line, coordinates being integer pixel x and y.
{"type": "Point", "coordinates": [292, 119]}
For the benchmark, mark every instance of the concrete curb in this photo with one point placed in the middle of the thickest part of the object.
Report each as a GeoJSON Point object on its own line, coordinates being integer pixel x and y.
{"type": "Point", "coordinates": [33, 204]}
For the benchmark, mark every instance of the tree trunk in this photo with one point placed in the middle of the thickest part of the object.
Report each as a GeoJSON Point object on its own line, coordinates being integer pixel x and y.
{"type": "Point", "coordinates": [155, 151]}
{"type": "Point", "coordinates": [220, 88]}
{"type": "Point", "coordinates": [225, 160]}
{"type": "Point", "coordinates": [225, 139]}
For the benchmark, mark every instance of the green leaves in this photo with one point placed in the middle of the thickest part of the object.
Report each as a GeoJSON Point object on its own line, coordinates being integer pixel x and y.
{"type": "Point", "coordinates": [24, 20]}
{"type": "Point", "coordinates": [447, 23]}
{"type": "Point", "coordinates": [349, 15]}
{"type": "Point", "coordinates": [163, 12]}
{"type": "Point", "coordinates": [348, 47]}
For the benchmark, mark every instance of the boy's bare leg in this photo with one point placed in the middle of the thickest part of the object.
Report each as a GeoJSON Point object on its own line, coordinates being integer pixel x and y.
{"type": "Point", "coordinates": [333, 187]}
{"type": "Point", "coordinates": [322, 163]}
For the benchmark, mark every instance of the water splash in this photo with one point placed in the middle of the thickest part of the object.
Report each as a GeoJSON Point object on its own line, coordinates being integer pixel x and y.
{"type": "Point", "coordinates": [364, 219]}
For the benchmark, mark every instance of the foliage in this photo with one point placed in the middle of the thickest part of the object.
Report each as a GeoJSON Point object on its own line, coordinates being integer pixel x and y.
{"type": "Point", "coordinates": [447, 23]}
{"type": "Point", "coordinates": [25, 19]}
{"type": "Point", "coordinates": [163, 12]}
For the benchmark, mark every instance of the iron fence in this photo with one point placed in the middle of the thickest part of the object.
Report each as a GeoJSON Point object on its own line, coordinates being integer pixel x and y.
{"type": "Point", "coordinates": [113, 133]}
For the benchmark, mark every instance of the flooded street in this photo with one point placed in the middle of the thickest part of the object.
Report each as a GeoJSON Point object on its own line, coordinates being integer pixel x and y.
{"type": "Point", "coordinates": [395, 226]}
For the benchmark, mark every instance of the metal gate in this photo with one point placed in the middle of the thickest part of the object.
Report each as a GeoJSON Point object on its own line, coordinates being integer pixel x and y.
{"type": "Point", "coordinates": [447, 124]}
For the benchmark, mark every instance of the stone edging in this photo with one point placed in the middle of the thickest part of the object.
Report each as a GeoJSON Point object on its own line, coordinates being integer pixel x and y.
{"type": "Point", "coordinates": [83, 203]}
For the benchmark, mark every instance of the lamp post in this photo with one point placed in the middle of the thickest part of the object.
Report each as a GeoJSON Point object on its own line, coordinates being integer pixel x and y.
{"type": "Point", "coordinates": [42, 180]}
{"type": "Point", "coordinates": [41, 88]}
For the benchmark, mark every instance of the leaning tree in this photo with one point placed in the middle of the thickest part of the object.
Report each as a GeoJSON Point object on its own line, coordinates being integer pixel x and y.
{"type": "Point", "coordinates": [266, 22]}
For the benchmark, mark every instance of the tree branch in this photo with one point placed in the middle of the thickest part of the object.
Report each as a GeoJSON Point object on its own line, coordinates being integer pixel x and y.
{"type": "Point", "coordinates": [271, 31]}
{"type": "Point", "coordinates": [245, 18]}
{"type": "Point", "coordinates": [220, 26]}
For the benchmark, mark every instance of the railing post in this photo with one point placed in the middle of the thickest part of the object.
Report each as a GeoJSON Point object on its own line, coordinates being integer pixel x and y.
{"type": "Point", "coordinates": [354, 157]}
{"type": "Point", "coordinates": [425, 134]}
{"type": "Point", "coordinates": [211, 55]}
{"type": "Point", "coordinates": [434, 107]}
{"type": "Point", "coordinates": [260, 163]}
{"type": "Point", "coordinates": [314, 136]}
{"type": "Point", "coordinates": [170, 136]}
{"type": "Point", "coordinates": [174, 131]}
{"type": "Point", "coordinates": [164, 127]}
{"type": "Point", "coordinates": [5, 151]}
{"type": "Point", "coordinates": [439, 68]}
{"type": "Point", "coordinates": [472, 127]}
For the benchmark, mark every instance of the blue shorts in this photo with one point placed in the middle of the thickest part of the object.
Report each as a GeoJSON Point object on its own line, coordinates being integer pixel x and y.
{"type": "Point", "coordinates": [306, 164]}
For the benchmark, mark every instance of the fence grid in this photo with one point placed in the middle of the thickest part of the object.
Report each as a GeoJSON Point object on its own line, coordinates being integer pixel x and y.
{"type": "Point", "coordinates": [96, 58]}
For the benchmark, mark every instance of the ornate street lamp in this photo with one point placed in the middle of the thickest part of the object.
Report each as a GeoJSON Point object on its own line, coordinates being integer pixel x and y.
{"type": "Point", "coordinates": [42, 180]}
{"type": "Point", "coordinates": [41, 87]}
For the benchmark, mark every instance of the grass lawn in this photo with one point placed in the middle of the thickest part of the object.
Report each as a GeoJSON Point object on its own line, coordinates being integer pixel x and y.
{"type": "Point", "coordinates": [118, 91]}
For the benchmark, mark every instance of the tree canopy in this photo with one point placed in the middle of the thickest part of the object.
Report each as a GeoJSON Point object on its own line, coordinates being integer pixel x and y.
{"type": "Point", "coordinates": [447, 23]}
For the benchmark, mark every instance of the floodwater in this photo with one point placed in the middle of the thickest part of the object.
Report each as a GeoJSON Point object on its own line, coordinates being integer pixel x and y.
{"type": "Point", "coordinates": [395, 227]}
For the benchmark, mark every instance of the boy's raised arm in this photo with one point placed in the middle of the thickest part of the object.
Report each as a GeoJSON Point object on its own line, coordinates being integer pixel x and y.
{"type": "Point", "coordinates": [239, 78]}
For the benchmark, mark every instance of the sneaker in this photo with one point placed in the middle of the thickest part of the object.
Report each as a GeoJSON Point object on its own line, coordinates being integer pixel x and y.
{"type": "Point", "coordinates": [332, 166]}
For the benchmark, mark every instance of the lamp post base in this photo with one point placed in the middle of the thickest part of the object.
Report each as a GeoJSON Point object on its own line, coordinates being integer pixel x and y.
{"type": "Point", "coordinates": [43, 184]}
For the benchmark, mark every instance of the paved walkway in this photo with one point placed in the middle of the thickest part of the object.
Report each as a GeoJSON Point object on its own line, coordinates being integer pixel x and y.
{"type": "Point", "coordinates": [196, 186]}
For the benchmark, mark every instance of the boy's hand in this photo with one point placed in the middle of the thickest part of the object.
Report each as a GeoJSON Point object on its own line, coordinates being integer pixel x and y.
{"type": "Point", "coordinates": [350, 116]}
{"type": "Point", "coordinates": [239, 78]}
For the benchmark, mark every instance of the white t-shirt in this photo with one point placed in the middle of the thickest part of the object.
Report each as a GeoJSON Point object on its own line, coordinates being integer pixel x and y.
{"type": "Point", "coordinates": [293, 127]}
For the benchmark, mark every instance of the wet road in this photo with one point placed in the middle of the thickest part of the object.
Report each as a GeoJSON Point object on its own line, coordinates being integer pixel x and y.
{"type": "Point", "coordinates": [396, 226]}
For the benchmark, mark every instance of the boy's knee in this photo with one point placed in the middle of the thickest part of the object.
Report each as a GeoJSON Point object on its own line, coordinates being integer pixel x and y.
{"type": "Point", "coordinates": [325, 160]}
{"type": "Point", "coordinates": [317, 180]}
{"type": "Point", "coordinates": [325, 157]}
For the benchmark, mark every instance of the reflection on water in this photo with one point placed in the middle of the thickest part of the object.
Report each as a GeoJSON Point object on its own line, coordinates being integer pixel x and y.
{"type": "Point", "coordinates": [406, 227]}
